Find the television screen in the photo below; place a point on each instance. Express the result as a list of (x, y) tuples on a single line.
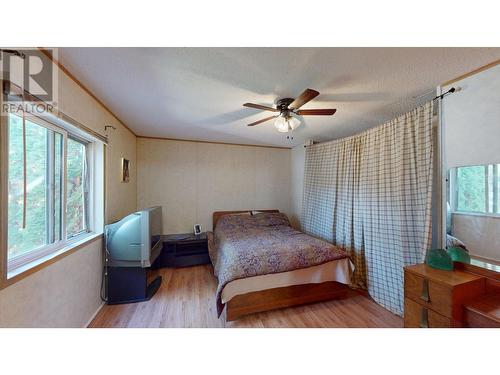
[(135, 240)]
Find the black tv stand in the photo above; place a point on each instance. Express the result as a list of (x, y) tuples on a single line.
[(183, 250), (129, 284)]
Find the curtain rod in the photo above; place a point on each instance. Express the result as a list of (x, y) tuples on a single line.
[(25, 95), (450, 91)]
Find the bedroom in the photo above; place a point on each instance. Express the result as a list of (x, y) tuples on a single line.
[(193, 176), (249, 187)]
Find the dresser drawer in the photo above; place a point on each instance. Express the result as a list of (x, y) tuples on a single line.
[(418, 316), (429, 294)]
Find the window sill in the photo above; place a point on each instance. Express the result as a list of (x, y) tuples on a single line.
[(490, 264), (477, 214), (21, 272)]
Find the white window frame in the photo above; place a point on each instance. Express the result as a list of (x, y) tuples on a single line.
[(94, 225)]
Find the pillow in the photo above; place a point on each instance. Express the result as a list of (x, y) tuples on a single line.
[(241, 219), (260, 212), (271, 219), (241, 213)]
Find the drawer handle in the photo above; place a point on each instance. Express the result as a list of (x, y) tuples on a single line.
[(425, 291), (424, 319)]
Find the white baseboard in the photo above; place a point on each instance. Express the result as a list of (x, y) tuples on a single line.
[(94, 315)]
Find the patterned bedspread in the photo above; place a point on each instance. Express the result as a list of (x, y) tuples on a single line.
[(454, 242), (251, 245)]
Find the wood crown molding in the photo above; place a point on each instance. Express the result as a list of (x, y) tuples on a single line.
[(83, 87), (471, 73), (212, 142)]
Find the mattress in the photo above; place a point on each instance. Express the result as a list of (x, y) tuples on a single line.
[(336, 270)]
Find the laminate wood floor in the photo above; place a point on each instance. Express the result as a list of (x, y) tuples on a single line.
[(186, 298)]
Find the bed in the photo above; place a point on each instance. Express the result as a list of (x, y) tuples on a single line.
[(262, 263)]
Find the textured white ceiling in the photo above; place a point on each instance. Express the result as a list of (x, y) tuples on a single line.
[(197, 93)]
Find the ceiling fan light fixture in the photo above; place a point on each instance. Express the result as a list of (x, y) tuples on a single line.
[(293, 122), (286, 123), (281, 124), (288, 109)]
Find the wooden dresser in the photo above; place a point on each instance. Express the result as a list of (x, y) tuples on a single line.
[(435, 298)]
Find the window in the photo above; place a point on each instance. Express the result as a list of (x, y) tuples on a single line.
[(476, 189), (76, 188), (49, 189), (471, 189)]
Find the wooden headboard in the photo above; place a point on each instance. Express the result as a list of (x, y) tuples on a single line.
[(218, 214)]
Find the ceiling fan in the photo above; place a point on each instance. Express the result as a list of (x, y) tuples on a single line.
[(287, 107)]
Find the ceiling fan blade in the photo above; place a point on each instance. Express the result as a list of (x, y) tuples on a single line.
[(316, 112), (303, 98), (258, 106), (261, 121)]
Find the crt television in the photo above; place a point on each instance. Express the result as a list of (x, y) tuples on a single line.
[(135, 240)]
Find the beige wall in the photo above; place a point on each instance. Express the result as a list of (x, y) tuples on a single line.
[(297, 163), (479, 233), (191, 180), (66, 293)]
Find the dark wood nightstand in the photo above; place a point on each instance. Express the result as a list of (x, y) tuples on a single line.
[(184, 250)]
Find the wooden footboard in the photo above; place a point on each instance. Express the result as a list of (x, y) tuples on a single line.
[(277, 298)]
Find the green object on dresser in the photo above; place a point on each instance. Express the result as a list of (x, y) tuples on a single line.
[(458, 254), (439, 259)]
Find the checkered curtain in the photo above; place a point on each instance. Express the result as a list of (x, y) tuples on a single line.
[(371, 194)]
